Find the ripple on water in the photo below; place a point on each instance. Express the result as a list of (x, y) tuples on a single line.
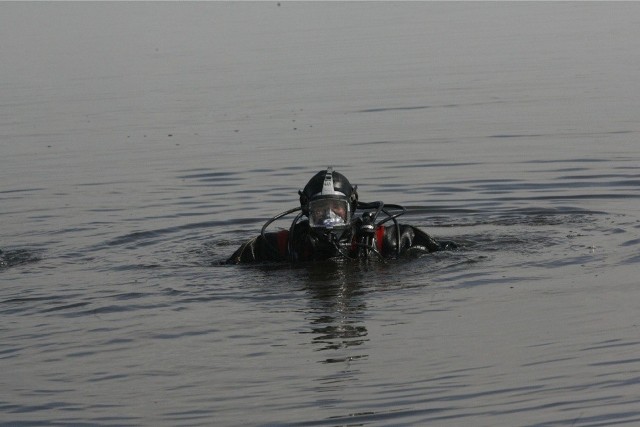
[(10, 258)]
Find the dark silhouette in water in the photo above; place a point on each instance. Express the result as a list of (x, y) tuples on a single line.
[(15, 257), (331, 229)]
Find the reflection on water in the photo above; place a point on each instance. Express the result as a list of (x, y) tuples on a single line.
[(336, 306)]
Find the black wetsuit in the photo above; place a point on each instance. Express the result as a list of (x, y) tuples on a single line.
[(306, 246)]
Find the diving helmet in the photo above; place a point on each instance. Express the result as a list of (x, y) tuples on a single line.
[(329, 200)]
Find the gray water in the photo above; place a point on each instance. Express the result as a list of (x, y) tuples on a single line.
[(140, 144)]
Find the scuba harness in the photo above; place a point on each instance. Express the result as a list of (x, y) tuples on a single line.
[(365, 231)]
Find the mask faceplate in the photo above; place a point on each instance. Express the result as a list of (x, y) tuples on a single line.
[(329, 212)]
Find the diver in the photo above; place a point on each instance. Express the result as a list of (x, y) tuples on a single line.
[(331, 228)]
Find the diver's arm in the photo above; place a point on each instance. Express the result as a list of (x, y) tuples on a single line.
[(259, 249), (245, 253), (423, 239), (411, 238)]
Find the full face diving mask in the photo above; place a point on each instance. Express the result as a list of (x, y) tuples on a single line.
[(329, 212)]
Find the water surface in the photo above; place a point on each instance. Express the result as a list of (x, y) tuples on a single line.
[(142, 143)]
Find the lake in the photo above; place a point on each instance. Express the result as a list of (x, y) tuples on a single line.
[(142, 143)]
